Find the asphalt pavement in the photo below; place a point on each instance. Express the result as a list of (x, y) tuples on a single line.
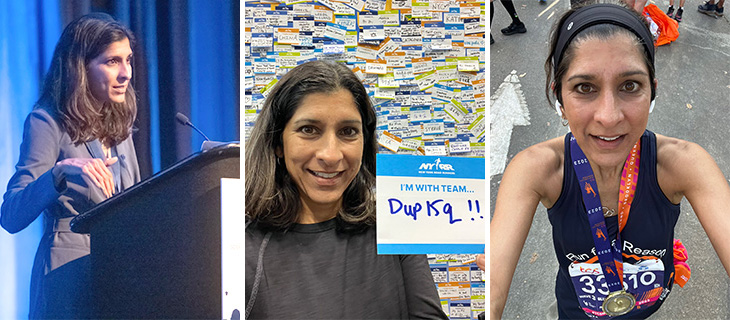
[(693, 103)]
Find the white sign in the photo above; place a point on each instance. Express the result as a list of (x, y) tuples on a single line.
[(430, 204), (232, 249)]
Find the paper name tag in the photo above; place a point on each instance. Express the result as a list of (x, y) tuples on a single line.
[(439, 5), (456, 110), (398, 122), (426, 80), (410, 144), (472, 26), (262, 40), (376, 66), (420, 98), (264, 66), (389, 17), (373, 33), (288, 59), (323, 14), (366, 52), (473, 41), (433, 127), (358, 5), (396, 59), (390, 141), (421, 65), (420, 114), (477, 127), (460, 145), (452, 17), (469, 10), (335, 31)]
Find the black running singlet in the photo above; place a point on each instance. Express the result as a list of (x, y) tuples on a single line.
[(647, 242)]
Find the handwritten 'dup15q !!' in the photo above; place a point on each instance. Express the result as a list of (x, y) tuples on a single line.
[(432, 208)]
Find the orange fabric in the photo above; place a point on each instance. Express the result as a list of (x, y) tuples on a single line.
[(683, 273), (680, 266), (668, 31)]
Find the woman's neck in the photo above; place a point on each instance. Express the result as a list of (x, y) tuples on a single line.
[(607, 173), (315, 213), (107, 153), (608, 181)]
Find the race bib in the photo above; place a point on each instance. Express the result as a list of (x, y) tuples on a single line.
[(643, 280)]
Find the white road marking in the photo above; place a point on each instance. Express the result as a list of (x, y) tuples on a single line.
[(508, 109)]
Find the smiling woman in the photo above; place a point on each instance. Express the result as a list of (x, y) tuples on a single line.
[(612, 187), (310, 209), (322, 149), (77, 151)]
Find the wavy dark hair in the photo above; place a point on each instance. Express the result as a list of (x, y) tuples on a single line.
[(600, 31), (272, 197), (66, 93)]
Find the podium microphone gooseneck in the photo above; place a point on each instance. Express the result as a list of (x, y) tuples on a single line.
[(185, 121)]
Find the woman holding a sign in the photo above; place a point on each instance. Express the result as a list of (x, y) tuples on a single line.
[(310, 208), (612, 188)]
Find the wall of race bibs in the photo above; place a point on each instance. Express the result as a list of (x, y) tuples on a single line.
[(422, 62)]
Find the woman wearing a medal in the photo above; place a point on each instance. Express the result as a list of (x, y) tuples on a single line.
[(612, 188)]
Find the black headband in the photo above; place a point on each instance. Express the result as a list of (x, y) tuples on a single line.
[(601, 14)]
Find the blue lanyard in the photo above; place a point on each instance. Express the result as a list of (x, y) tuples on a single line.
[(609, 255)]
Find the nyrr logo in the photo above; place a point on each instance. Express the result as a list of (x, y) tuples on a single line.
[(436, 165)]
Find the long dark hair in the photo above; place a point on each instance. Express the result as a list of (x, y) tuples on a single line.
[(66, 93), (272, 198)]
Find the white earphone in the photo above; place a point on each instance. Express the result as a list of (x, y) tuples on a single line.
[(651, 107)]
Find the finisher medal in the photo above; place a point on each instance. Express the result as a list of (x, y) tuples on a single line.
[(618, 303)]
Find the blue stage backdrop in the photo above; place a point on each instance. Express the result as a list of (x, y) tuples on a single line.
[(186, 60)]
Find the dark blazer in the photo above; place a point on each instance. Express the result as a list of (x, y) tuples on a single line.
[(31, 191)]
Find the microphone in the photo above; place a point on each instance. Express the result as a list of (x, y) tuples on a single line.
[(186, 122)]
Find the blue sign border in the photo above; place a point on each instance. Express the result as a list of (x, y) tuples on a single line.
[(401, 165), (430, 248)]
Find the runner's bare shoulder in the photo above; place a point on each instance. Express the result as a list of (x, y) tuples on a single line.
[(677, 161), (540, 167)]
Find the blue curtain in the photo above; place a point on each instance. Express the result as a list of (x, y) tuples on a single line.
[(186, 60), (214, 70), (28, 32)]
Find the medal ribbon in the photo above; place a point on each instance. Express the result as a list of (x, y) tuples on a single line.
[(609, 256)]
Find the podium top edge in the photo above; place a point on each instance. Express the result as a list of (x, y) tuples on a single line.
[(83, 222)]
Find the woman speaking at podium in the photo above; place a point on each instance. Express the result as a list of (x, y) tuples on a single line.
[(77, 151), (310, 209)]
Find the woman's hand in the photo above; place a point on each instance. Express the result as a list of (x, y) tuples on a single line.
[(95, 169)]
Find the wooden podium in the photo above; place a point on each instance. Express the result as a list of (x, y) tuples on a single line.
[(156, 247)]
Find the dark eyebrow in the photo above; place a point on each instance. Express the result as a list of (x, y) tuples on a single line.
[(633, 73), (622, 75), (117, 56), (352, 122), (581, 76), (306, 121), (315, 121)]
